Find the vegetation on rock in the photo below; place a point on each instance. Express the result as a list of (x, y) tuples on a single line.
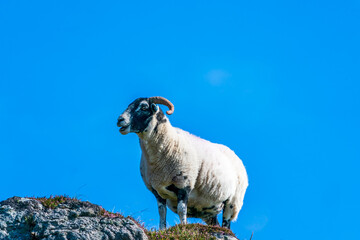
[(189, 231), (53, 201), (177, 232)]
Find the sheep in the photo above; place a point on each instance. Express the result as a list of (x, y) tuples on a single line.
[(190, 175)]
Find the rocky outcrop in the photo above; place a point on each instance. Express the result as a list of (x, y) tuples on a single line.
[(71, 219), (63, 218)]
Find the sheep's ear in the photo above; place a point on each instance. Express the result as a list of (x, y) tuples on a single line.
[(154, 107)]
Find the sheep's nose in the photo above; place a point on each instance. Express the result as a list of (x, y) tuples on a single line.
[(120, 119)]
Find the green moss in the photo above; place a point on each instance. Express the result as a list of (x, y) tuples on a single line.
[(188, 231)]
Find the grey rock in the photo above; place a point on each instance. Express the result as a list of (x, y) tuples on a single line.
[(28, 219), (223, 236)]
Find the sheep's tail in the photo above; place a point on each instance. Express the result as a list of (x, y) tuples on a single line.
[(238, 202)]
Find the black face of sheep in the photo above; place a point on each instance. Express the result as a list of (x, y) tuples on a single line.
[(137, 116)]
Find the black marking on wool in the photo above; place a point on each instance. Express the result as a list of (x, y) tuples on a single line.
[(212, 221), (179, 178), (160, 117), (160, 199), (226, 222), (208, 208), (196, 213), (173, 189), (181, 193)]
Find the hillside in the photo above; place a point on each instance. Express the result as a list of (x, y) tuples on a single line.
[(64, 218)]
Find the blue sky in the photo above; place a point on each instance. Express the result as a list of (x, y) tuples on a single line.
[(276, 81)]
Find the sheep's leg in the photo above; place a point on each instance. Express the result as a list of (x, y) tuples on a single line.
[(162, 210), (182, 200), (182, 196), (227, 212), (213, 221), (162, 213), (226, 223)]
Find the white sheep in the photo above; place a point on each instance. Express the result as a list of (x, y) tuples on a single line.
[(192, 176)]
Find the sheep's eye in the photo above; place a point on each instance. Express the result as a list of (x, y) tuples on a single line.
[(144, 107)]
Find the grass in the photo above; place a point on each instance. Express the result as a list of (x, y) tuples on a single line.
[(188, 231), (53, 201), (177, 232)]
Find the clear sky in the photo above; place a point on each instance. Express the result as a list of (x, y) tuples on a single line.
[(276, 81)]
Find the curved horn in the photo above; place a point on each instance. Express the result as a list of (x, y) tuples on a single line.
[(164, 101)]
